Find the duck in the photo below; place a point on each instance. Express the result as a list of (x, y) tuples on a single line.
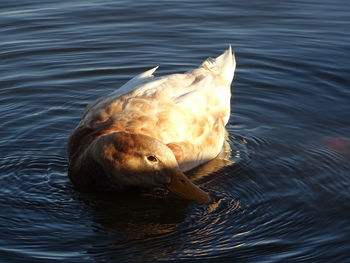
[(152, 130)]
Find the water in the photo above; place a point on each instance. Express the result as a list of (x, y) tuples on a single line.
[(283, 194)]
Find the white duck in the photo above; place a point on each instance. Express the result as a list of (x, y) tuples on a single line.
[(155, 131)]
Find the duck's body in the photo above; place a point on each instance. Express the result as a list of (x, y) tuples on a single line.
[(185, 112)]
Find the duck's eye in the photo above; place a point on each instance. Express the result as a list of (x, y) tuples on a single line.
[(152, 159)]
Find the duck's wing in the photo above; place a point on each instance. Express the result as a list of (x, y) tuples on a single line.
[(136, 82), (140, 81)]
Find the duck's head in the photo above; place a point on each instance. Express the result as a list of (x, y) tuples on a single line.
[(139, 160)]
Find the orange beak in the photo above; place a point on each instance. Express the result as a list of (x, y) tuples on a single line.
[(184, 188)]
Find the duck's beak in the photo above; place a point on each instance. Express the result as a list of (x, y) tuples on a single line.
[(183, 187)]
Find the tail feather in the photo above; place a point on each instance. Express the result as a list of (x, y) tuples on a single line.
[(224, 65)]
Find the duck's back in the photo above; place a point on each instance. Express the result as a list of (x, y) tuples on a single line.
[(188, 112)]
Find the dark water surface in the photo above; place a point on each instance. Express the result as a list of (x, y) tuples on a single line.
[(285, 197)]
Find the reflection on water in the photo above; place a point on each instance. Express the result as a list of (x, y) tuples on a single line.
[(281, 193)]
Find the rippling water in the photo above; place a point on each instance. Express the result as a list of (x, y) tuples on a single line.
[(282, 195)]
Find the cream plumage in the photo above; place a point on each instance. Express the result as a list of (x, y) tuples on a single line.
[(157, 129)]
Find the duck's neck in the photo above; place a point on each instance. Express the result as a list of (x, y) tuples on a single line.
[(87, 175)]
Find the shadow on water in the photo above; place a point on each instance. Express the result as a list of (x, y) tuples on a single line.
[(140, 215)]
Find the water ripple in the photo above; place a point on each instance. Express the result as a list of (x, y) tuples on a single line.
[(280, 190)]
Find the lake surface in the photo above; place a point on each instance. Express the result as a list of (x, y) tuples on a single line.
[(282, 195)]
